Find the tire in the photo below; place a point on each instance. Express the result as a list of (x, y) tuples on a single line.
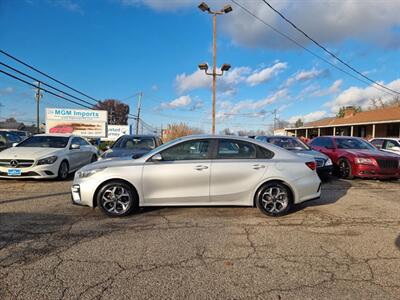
[(274, 199), (93, 159), (344, 169), (63, 170), (116, 199)]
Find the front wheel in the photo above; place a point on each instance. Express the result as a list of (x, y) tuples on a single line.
[(116, 199), (345, 170), (63, 170), (274, 199)]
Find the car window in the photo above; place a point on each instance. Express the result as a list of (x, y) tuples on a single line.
[(288, 143), (390, 144), (76, 141), (351, 143), (264, 153), (322, 142), (82, 142), (261, 138), (13, 138), (232, 149), (134, 143), (45, 141), (192, 150), (377, 143)]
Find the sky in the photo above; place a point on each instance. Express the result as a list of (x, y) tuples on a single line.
[(117, 48)]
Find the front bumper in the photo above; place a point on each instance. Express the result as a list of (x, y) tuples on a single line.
[(35, 172), (374, 172), (325, 171)]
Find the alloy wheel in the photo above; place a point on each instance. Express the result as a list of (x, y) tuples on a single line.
[(63, 171), (344, 169), (116, 200), (274, 200)]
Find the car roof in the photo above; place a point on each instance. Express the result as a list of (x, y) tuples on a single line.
[(56, 134), (386, 138), (139, 135), (278, 136)]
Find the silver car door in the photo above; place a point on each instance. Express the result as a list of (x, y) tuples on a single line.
[(182, 176), (75, 155), (235, 172)]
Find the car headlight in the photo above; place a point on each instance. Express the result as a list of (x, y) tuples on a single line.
[(328, 162), (84, 174), (364, 161), (47, 160)]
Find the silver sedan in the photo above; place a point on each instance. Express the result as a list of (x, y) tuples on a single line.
[(201, 171)]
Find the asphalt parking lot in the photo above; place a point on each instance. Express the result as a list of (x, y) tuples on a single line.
[(344, 246)]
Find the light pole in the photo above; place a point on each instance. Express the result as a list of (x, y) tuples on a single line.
[(225, 67)]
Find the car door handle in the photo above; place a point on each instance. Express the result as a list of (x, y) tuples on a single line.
[(257, 167), (200, 167)]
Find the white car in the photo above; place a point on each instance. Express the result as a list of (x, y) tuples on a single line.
[(46, 156), (387, 144), (200, 170)]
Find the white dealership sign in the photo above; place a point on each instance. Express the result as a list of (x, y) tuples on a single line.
[(83, 122), (115, 131)]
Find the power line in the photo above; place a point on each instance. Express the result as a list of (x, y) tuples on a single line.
[(48, 76), (304, 48), (48, 85), (47, 91), (327, 51)]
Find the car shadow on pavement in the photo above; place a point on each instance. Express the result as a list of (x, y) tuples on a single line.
[(397, 242), (33, 198), (332, 190)]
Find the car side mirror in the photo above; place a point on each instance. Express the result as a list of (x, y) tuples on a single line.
[(14, 144), (156, 157), (75, 147)]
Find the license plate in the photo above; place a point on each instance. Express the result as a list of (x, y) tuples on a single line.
[(14, 172)]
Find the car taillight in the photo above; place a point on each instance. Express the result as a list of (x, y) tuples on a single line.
[(312, 165)]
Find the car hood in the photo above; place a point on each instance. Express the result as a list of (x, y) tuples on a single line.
[(373, 153), (112, 162), (311, 153), (28, 152), (124, 153)]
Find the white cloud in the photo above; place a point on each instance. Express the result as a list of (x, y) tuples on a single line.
[(182, 101), (69, 5), (161, 5), (362, 96), (305, 75), (313, 116), (333, 89), (265, 74), (326, 21), (198, 79), (7, 90)]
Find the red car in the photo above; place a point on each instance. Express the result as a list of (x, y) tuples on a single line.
[(355, 157)]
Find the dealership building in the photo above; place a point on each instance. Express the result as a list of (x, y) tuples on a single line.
[(384, 122)]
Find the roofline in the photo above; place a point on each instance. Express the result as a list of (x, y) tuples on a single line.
[(342, 125)]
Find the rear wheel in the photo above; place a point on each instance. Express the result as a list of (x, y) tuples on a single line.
[(63, 170), (116, 199), (345, 170), (274, 199)]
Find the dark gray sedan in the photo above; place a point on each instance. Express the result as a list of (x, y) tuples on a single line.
[(132, 146), (324, 163), (7, 139)]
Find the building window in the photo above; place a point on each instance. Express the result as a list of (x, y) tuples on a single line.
[(393, 130)]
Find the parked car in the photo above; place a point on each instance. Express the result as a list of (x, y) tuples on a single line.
[(324, 163), (387, 144), (7, 139), (21, 133), (133, 146), (355, 157), (46, 156), (200, 170)]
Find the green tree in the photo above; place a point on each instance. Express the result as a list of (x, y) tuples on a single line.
[(342, 111)]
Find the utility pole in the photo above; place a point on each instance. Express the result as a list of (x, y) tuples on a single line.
[(38, 96), (138, 113), (225, 67), (274, 112)]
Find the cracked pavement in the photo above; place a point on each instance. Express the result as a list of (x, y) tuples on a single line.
[(344, 246)]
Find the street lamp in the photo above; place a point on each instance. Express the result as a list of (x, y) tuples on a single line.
[(225, 67)]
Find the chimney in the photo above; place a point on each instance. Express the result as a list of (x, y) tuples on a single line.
[(349, 111)]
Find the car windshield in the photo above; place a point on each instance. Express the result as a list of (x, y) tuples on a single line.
[(44, 141), (344, 143), (134, 143), (20, 133), (288, 143)]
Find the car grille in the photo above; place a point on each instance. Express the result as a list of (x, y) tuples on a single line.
[(16, 163), (388, 164), (320, 162)]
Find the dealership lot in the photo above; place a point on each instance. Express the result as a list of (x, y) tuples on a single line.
[(345, 245)]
